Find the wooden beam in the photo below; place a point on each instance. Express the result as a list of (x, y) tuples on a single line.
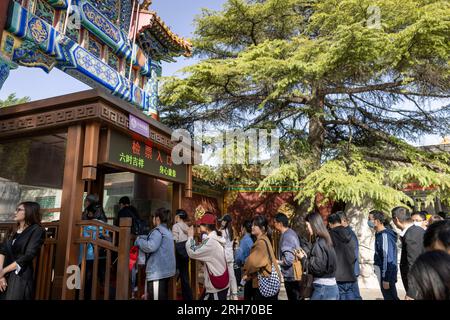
[(91, 140), (71, 208)]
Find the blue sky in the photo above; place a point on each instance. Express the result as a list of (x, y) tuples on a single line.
[(36, 84), (178, 14)]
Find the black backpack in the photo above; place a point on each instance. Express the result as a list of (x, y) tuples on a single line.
[(139, 226)]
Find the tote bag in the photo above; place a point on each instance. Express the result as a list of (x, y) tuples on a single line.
[(269, 286)]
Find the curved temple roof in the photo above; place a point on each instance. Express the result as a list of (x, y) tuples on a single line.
[(152, 26)]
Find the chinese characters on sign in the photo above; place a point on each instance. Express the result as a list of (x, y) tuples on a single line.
[(125, 151), (167, 171), (131, 160)]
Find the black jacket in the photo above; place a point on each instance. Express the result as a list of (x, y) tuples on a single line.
[(138, 225), (26, 247), (345, 246), (322, 260), (412, 248)]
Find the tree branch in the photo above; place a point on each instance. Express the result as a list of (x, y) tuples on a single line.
[(374, 87)]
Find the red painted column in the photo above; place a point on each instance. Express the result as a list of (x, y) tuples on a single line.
[(4, 4)]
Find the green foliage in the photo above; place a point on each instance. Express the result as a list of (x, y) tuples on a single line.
[(343, 89), (12, 100), (352, 184)]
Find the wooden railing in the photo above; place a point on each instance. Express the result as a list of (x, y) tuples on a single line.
[(115, 244), (5, 230), (44, 263), (116, 272), (175, 290)]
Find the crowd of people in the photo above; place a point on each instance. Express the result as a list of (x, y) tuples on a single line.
[(328, 256), (321, 265)]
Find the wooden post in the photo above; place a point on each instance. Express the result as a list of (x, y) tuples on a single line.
[(71, 209), (176, 204), (188, 189), (194, 279), (98, 186), (123, 277), (91, 139)]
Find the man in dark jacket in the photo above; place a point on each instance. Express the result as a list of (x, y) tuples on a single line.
[(344, 245), (345, 223), (385, 259), (412, 243), (288, 244), (128, 211)]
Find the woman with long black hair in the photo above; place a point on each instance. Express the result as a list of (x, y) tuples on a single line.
[(430, 276), (322, 260), (18, 252), (261, 267), (226, 227)]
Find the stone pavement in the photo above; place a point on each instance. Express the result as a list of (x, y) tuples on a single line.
[(366, 294)]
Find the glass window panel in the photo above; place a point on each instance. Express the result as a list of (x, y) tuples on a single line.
[(32, 170)]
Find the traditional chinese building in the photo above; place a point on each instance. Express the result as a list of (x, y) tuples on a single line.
[(94, 44), (104, 141)]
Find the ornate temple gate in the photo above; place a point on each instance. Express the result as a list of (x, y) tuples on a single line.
[(88, 120)]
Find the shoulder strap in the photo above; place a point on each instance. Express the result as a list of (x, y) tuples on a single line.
[(147, 256), (162, 234), (224, 258), (268, 250)]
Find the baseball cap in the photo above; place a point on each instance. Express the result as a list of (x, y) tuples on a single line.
[(207, 218)]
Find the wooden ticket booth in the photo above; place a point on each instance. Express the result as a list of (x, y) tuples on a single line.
[(60, 149)]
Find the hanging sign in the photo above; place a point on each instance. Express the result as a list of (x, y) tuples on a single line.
[(125, 152)]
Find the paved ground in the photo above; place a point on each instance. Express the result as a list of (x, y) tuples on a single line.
[(375, 294), (367, 294)]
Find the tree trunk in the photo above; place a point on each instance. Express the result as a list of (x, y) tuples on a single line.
[(316, 135), (316, 140)]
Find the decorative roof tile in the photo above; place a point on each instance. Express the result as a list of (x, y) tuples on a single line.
[(151, 23)]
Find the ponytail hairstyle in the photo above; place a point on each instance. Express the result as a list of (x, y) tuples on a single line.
[(163, 214), (229, 228), (318, 227)]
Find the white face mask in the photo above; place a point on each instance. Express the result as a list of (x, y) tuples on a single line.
[(419, 224)]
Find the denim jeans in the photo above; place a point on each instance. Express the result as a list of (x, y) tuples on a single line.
[(347, 291), (356, 291), (322, 292)]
